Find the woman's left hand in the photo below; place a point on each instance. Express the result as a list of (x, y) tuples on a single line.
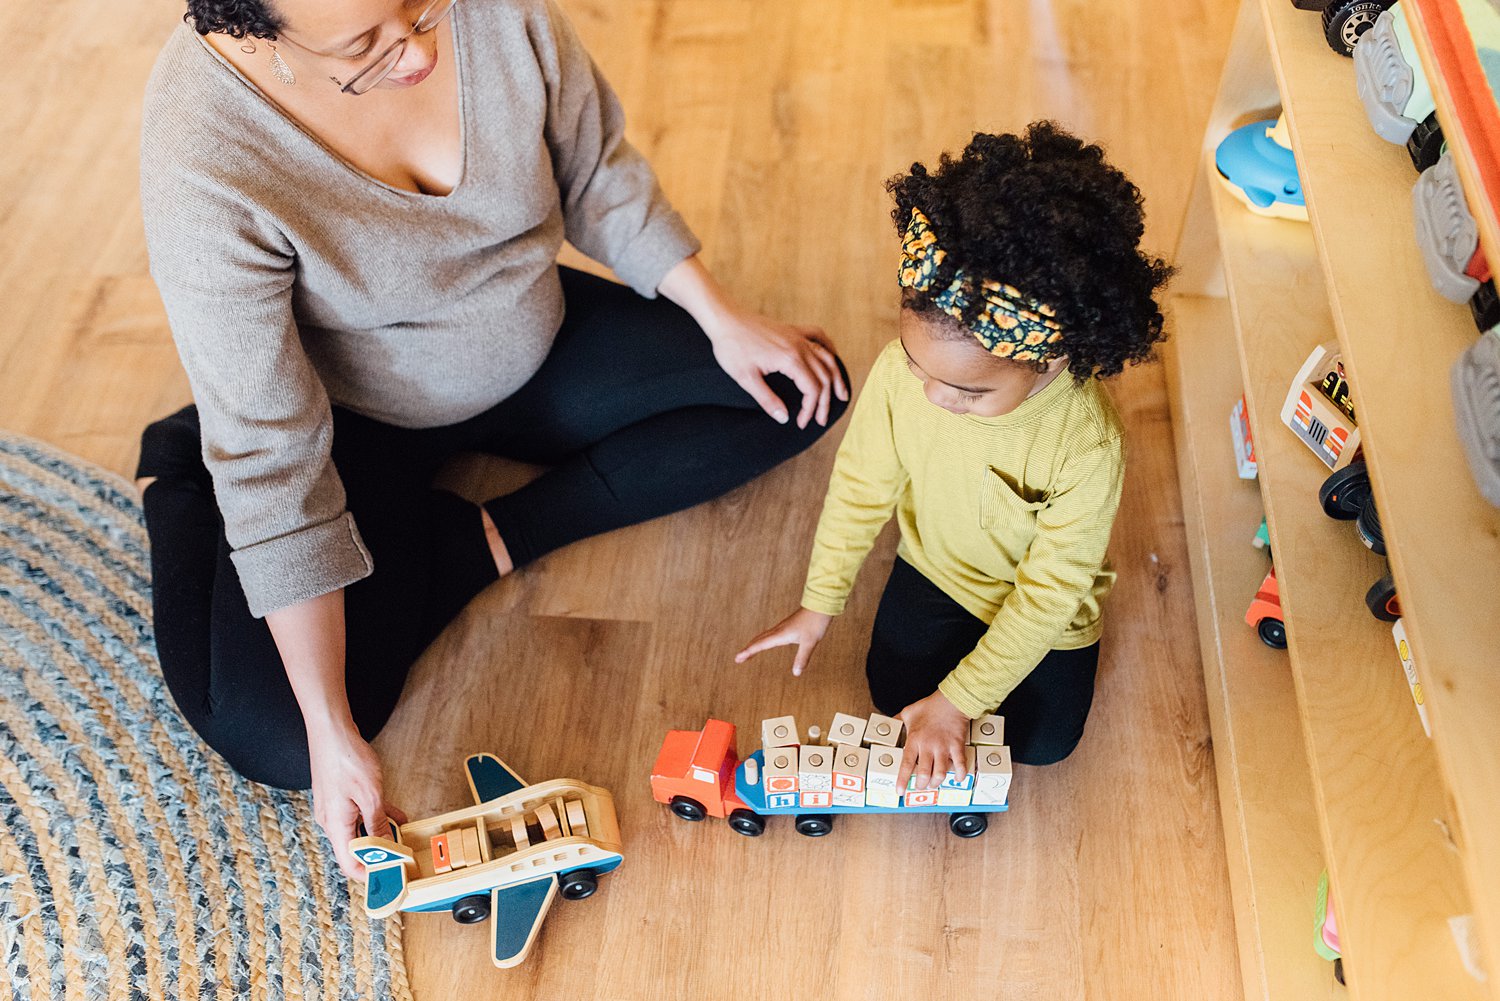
[(936, 733), (749, 347)]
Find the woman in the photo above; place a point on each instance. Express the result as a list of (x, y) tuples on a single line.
[(353, 210)]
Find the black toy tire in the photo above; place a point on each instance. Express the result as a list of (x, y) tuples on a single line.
[(1338, 970), (1345, 20), (1272, 633), (472, 910), (1425, 144), (748, 823), (1382, 601), (814, 825), (1484, 306), (968, 825), (1367, 527), (688, 808), (579, 884), (1346, 492)]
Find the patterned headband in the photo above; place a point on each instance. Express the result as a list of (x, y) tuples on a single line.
[(1011, 325)]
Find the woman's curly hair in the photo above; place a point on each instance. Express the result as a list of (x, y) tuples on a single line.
[(235, 18), (1046, 213)]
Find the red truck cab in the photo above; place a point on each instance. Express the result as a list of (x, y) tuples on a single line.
[(694, 775)]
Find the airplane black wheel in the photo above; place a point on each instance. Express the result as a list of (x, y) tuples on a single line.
[(814, 825), (579, 884), (1272, 633), (751, 825), (1382, 601), (472, 910), (1346, 492), (688, 808), (968, 825)]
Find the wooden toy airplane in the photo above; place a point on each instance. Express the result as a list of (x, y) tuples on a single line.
[(504, 858)]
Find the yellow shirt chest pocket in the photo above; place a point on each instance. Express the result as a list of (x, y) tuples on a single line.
[(1006, 516)]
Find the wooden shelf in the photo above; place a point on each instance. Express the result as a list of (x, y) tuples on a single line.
[(1387, 828), (1400, 340), (1271, 827)]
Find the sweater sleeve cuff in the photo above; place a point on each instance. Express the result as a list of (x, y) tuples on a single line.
[(815, 602), (965, 701), (302, 565), (665, 243)]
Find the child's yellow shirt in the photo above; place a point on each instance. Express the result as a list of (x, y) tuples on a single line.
[(1010, 516)]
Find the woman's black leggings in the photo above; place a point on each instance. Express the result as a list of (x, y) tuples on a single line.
[(921, 633), (630, 411)]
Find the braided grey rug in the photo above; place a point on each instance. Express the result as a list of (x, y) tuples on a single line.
[(133, 863)]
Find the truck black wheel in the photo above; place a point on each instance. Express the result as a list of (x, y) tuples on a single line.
[(472, 910), (1345, 20), (578, 884), (748, 823), (1346, 491), (814, 825), (688, 808), (1381, 600), (1425, 144), (1367, 527), (1272, 633), (968, 825)]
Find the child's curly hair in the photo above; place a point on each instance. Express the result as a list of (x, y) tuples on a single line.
[(235, 18), (1046, 213)]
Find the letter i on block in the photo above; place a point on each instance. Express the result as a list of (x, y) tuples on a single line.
[(850, 762), (779, 731), (815, 775), (987, 730), (880, 779), (992, 776), (953, 791)]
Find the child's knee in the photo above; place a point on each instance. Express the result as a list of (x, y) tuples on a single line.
[(1045, 749)]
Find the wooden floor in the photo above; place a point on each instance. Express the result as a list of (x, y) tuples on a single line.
[(772, 124)]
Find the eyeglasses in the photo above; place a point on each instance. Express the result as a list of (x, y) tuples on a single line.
[(366, 79)]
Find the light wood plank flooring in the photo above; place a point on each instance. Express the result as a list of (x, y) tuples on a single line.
[(772, 124)]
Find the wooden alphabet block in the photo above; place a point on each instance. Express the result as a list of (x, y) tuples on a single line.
[(846, 729), (888, 799), (850, 762), (812, 798), (880, 777), (987, 730), (781, 800), (780, 771), (779, 731), (442, 858), (953, 791), (815, 768), (992, 776), (921, 797), (882, 730), (471, 846)]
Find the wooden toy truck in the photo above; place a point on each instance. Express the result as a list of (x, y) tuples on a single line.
[(505, 858), (699, 773)]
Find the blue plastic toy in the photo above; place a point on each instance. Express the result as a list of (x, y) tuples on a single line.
[(1256, 165)]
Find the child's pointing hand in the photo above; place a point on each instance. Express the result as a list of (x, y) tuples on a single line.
[(803, 627), (936, 733)]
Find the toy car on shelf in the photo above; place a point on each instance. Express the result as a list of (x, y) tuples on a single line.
[(504, 859), (1476, 405), (1320, 410), (1264, 615), (699, 774), (1256, 165), (1394, 90), (1448, 236)]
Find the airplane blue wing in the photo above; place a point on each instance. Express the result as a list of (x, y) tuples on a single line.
[(490, 778), (385, 873), (516, 915)]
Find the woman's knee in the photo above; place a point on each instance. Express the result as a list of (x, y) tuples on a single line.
[(262, 746), (172, 447)]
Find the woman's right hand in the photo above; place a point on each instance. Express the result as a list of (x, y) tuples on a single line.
[(348, 789), (803, 627)]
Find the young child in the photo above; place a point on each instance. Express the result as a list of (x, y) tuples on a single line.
[(985, 430)]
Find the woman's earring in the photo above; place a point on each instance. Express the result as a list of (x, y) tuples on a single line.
[(280, 70), (248, 46)]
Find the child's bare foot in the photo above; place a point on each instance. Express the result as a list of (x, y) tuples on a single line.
[(497, 545)]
